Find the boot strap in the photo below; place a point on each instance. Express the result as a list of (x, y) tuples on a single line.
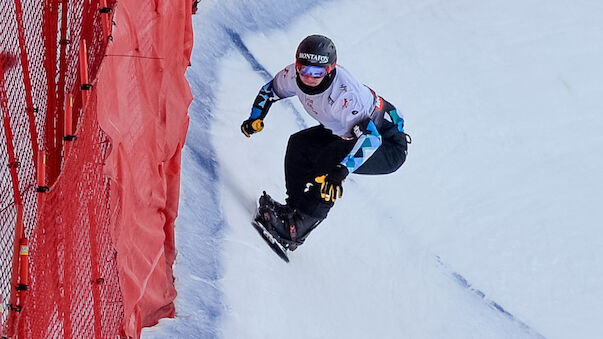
[(292, 228)]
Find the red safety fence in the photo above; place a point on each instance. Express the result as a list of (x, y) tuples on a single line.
[(144, 110), (94, 104)]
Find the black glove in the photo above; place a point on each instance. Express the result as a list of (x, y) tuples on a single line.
[(331, 183), (250, 126)]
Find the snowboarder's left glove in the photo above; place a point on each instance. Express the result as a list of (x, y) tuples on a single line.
[(331, 183), (250, 126)]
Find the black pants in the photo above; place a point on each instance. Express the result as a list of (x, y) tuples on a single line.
[(314, 151)]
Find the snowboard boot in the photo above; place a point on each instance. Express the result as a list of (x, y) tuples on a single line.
[(268, 216), (299, 226), (290, 227)]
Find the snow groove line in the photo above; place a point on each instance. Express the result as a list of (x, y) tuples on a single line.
[(461, 281), (255, 64), (259, 68)]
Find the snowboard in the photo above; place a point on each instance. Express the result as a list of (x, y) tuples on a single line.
[(270, 239)]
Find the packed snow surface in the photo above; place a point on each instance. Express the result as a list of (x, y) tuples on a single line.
[(492, 228)]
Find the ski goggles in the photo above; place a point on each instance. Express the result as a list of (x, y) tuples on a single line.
[(314, 71)]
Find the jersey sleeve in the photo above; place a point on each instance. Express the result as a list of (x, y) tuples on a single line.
[(284, 82), (278, 88), (369, 140), (263, 101)]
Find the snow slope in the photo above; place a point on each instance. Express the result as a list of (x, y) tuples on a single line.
[(492, 229)]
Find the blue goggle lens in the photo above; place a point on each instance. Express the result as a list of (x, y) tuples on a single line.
[(314, 71)]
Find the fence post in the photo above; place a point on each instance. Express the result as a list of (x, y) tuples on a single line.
[(41, 172), (31, 109), (21, 256), (19, 280), (68, 127), (68, 135), (13, 165), (106, 19), (85, 85)]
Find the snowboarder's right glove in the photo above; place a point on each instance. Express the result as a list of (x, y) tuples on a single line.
[(250, 126), (331, 183)]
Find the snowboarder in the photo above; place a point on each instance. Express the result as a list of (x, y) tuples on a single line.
[(359, 132)]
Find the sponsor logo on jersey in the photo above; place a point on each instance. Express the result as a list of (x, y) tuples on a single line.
[(331, 101), (321, 59), (346, 102), (343, 88), (310, 104), (379, 104)]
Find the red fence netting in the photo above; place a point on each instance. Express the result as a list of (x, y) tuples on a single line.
[(70, 218), (65, 282), (144, 110)]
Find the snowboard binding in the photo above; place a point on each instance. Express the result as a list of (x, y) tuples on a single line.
[(288, 226), (276, 217)]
